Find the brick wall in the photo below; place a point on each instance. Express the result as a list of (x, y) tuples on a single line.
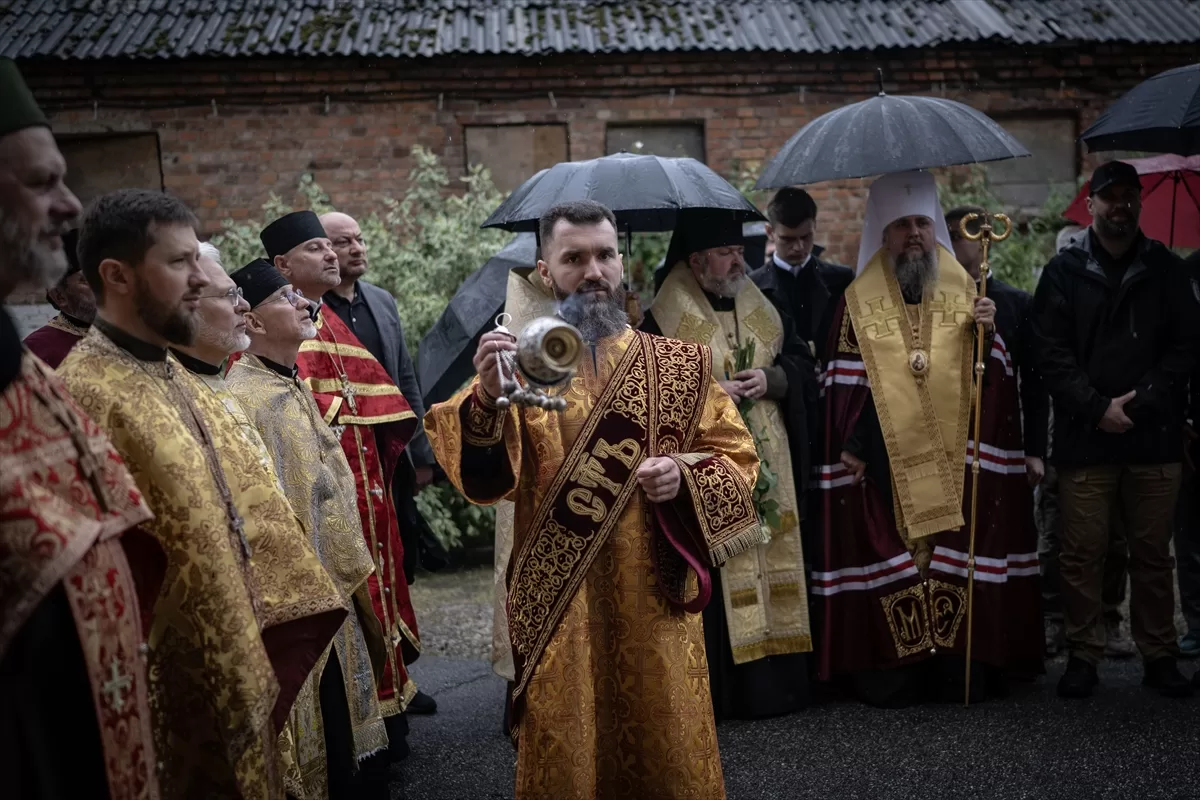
[(352, 122)]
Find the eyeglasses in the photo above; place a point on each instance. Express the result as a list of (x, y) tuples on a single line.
[(293, 296), (234, 296)]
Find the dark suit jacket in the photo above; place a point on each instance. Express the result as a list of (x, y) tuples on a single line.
[(399, 365), (809, 299)]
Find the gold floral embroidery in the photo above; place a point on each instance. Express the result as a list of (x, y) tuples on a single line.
[(484, 423), (694, 329), (761, 325)]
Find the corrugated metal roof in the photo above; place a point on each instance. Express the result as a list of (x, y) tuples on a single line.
[(168, 29)]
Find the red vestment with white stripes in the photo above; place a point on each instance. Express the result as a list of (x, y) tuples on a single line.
[(873, 607)]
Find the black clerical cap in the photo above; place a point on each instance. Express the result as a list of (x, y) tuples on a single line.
[(258, 280), (18, 109), (700, 229), (290, 231)]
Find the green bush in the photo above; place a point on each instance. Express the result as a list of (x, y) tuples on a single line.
[(1017, 259), (421, 248)]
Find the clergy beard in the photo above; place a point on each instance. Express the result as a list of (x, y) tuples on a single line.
[(596, 317), (227, 342), (727, 286), (28, 259), (914, 273), (308, 332), (177, 325)]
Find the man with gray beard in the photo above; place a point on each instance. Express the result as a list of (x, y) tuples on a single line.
[(891, 562), (756, 629), (622, 503)]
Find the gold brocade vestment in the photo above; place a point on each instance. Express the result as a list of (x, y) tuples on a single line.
[(618, 704), (212, 687), (319, 484), (763, 589)]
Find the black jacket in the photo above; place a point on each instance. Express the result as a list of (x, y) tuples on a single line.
[(1015, 326), (1097, 341), (808, 299)]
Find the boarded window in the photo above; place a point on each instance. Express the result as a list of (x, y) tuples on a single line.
[(514, 153), (1025, 183), (102, 163), (670, 141)]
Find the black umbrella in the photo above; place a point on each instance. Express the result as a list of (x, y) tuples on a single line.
[(444, 357), (644, 192), (1159, 115), (887, 134)]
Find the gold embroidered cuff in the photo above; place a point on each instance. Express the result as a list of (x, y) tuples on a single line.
[(483, 422)]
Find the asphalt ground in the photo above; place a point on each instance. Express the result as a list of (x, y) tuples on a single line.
[(1126, 742)]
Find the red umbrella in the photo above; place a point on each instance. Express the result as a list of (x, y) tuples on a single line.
[(1170, 199)]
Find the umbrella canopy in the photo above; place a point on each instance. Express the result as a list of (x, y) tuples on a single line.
[(1159, 115), (887, 134), (1170, 199), (444, 356), (645, 192)]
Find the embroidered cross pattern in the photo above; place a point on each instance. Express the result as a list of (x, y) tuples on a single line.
[(880, 315), (115, 687), (952, 310)]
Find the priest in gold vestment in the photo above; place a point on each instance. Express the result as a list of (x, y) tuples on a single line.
[(623, 503), (757, 628), (212, 683), (336, 727)]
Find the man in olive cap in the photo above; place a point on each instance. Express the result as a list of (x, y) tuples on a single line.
[(74, 711)]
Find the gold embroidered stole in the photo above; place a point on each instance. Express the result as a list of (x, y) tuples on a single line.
[(592, 487), (764, 588), (921, 386)]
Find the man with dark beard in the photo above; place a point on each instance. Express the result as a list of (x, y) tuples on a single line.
[(72, 298), (757, 627), (1115, 314), (611, 683), (138, 250), (892, 559), (77, 574)]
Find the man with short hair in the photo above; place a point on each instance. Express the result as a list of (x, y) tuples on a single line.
[(1114, 316), (374, 423), (893, 557), (611, 697), (301, 609), (139, 252), (757, 628), (336, 720), (78, 574), (72, 298), (796, 280)]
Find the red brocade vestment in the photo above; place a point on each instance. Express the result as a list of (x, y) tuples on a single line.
[(374, 423)]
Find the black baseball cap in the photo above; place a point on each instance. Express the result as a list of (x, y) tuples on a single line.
[(1114, 173)]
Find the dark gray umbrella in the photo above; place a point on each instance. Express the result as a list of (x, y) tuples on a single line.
[(644, 192), (887, 134), (1159, 115), (444, 356)]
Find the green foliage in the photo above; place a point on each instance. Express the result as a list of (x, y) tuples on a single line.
[(455, 521), (421, 248), (1017, 259)]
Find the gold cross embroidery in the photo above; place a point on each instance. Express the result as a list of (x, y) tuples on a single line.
[(880, 315), (951, 308), (117, 685)]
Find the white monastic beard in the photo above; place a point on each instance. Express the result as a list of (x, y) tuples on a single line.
[(29, 260), (233, 341), (914, 273), (241, 342), (728, 286), (308, 332)]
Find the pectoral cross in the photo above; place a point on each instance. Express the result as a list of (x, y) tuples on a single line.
[(348, 391), (117, 685)]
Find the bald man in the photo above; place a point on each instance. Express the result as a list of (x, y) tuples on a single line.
[(370, 312)]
